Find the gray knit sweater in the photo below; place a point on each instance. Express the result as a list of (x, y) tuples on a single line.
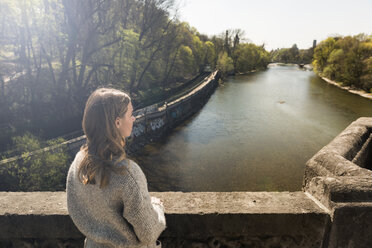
[(121, 214)]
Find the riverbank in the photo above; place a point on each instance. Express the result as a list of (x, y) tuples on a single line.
[(252, 71), (361, 93), (309, 67), (306, 67), (245, 73)]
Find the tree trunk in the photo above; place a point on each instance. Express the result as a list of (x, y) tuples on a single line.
[(148, 65), (50, 66), (169, 72), (2, 87)]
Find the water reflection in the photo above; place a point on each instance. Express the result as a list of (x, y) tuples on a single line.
[(255, 134)]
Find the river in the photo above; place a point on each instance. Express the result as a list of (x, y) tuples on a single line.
[(255, 133)]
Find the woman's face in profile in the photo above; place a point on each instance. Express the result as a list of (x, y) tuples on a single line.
[(125, 124)]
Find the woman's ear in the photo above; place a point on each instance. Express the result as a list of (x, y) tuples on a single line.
[(117, 122)]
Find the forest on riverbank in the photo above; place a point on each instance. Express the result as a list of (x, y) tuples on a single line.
[(347, 60), (292, 55), (53, 54)]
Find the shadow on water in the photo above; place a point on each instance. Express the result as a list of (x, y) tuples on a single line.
[(255, 134)]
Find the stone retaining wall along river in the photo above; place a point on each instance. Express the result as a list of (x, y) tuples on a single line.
[(153, 121)]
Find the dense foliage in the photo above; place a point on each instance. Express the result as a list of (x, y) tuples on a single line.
[(347, 60), (54, 53), (42, 171), (292, 55), (239, 57)]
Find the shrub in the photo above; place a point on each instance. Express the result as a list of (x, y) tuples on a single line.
[(40, 171), (225, 64)]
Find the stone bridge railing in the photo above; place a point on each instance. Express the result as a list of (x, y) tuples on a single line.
[(339, 176), (333, 210), (197, 219)]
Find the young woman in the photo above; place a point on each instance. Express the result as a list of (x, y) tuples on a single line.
[(107, 194)]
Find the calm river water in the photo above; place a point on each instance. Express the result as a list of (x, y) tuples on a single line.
[(255, 133)]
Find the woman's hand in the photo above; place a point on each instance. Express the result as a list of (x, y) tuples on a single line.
[(155, 200)]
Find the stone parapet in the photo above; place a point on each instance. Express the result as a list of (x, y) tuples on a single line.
[(339, 176), (197, 219), (341, 171), (349, 154)]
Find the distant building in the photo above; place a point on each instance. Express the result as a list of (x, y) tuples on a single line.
[(314, 43)]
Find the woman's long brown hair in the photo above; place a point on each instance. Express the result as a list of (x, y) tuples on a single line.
[(104, 143)]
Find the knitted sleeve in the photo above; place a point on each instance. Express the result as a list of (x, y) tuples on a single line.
[(146, 218)]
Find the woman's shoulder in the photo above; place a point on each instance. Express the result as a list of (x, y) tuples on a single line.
[(130, 168), (77, 160), (80, 155)]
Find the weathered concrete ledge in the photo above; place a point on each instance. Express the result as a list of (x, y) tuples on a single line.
[(339, 176), (261, 218), (348, 155)]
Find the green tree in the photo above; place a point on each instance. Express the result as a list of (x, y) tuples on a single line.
[(294, 53), (41, 171), (251, 57), (225, 64), (321, 53), (346, 60), (335, 63), (210, 54)]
